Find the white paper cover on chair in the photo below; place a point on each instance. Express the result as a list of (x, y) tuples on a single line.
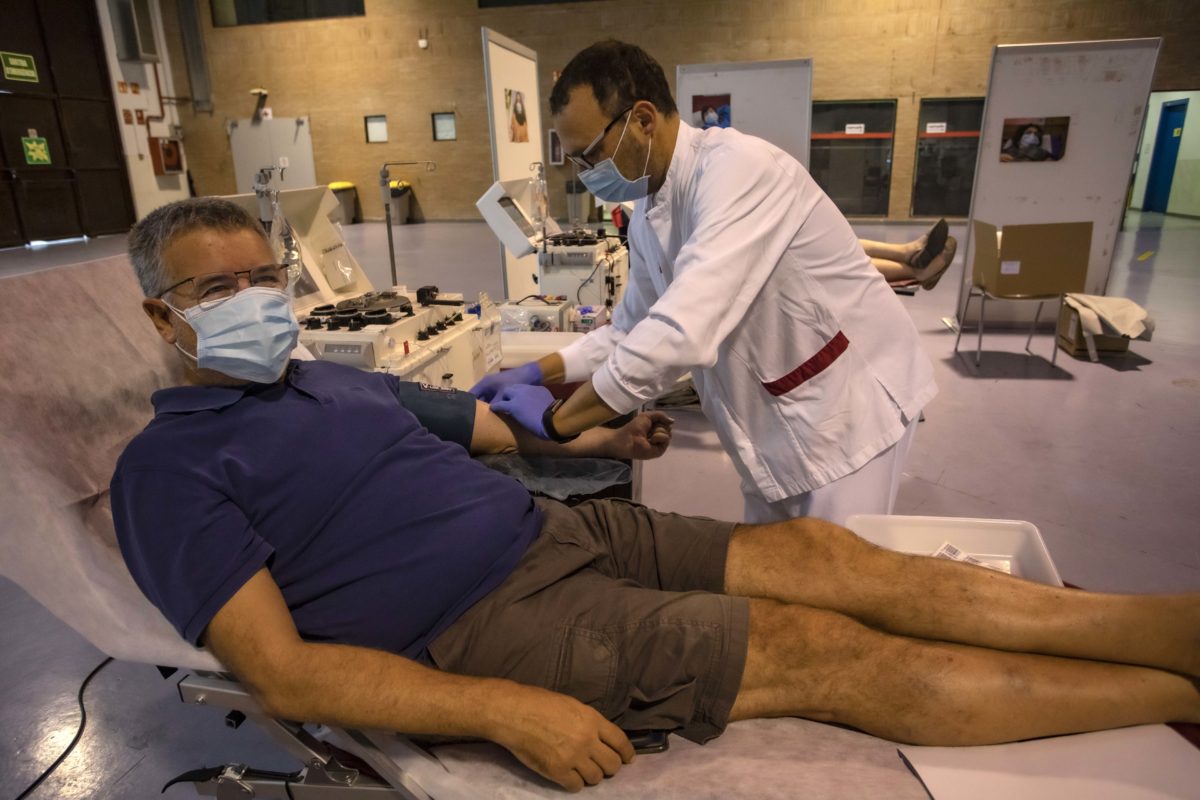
[(80, 361)]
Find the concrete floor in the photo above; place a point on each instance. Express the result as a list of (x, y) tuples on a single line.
[(1103, 458)]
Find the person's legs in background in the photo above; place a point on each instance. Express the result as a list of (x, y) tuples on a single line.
[(923, 260)]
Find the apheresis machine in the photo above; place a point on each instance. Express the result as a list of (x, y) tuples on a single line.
[(581, 274)]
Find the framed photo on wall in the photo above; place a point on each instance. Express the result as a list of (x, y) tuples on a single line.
[(556, 148)]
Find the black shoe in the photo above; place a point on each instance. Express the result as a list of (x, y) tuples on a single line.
[(934, 274), (935, 241)]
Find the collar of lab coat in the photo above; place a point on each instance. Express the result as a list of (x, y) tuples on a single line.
[(659, 204)]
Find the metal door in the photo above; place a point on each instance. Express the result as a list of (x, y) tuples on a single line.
[(62, 171), (1166, 151)]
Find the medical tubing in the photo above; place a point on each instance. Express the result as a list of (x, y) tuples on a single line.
[(588, 279), (78, 734)]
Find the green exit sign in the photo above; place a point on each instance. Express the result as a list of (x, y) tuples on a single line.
[(19, 67)]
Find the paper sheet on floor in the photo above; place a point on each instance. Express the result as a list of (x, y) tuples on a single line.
[(1149, 762)]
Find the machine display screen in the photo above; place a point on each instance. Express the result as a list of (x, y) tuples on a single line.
[(514, 211)]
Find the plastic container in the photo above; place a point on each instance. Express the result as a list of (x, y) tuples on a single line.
[(401, 200), (347, 197), (1018, 541)]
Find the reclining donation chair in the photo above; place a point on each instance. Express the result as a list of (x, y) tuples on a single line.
[(80, 361)]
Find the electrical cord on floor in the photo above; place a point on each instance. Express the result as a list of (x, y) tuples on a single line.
[(78, 734)]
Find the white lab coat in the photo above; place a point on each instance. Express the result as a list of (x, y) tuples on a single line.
[(743, 271)]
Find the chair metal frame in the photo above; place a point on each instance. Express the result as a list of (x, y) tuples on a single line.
[(325, 774), (984, 295)]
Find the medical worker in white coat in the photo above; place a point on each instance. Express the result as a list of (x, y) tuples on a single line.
[(744, 273)]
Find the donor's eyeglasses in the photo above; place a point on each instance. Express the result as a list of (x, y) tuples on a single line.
[(216, 286)]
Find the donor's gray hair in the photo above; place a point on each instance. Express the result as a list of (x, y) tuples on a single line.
[(153, 234)]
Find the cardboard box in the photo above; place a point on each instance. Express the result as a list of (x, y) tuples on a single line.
[(1071, 339), (1041, 260)]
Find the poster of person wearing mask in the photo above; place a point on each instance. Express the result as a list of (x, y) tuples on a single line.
[(518, 124), (1034, 139), (711, 111)]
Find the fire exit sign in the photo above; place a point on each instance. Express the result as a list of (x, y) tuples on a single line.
[(37, 151), (19, 67)]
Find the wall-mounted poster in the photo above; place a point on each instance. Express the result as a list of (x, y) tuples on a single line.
[(711, 111), (1034, 138), (518, 123)]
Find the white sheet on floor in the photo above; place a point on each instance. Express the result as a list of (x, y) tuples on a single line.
[(1149, 762)]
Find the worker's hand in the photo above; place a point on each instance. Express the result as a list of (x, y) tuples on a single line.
[(646, 436), (562, 739), (525, 404), (491, 385)]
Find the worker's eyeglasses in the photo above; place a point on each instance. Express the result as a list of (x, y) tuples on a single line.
[(582, 160), (217, 286)]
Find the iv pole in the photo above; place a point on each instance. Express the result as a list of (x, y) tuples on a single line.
[(386, 190)]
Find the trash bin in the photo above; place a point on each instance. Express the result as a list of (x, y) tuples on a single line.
[(401, 198), (347, 197), (579, 202)]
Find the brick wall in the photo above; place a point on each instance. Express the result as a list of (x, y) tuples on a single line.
[(338, 71)]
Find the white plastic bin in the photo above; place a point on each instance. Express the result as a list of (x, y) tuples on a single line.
[(1018, 541)]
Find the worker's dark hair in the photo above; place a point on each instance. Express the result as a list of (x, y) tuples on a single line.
[(620, 74)]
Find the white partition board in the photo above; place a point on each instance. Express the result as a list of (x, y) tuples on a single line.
[(510, 68), (263, 144), (1103, 86), (768, 99)]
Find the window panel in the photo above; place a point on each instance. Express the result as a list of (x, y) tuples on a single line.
[(851, 154), (947, 146)]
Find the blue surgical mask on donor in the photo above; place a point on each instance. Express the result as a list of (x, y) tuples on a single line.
[(606, 181), (249, 336)]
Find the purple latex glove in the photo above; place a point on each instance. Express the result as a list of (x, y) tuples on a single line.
[(491, 385), (526, 404)]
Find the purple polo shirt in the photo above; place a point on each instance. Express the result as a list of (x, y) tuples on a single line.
[(378, 532)]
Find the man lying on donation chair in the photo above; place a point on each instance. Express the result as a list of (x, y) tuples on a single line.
[(327, 535)]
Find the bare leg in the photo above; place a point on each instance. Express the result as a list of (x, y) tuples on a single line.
[(888, 251), (824, 666), (894, 271), (818, 564)]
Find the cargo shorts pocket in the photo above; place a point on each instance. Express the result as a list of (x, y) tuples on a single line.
[(586, 668)]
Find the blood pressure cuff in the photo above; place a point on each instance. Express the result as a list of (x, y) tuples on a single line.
[(446, 413)]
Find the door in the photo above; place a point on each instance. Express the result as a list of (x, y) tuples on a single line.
[(62, 171), (1166, 151)]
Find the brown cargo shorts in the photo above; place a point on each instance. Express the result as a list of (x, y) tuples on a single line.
[(618, 606)]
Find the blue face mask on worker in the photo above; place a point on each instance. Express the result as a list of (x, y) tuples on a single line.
[(1030, 139), (606, 181), (249, 336)]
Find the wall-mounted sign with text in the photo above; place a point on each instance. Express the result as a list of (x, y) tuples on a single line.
[(18, 67)]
